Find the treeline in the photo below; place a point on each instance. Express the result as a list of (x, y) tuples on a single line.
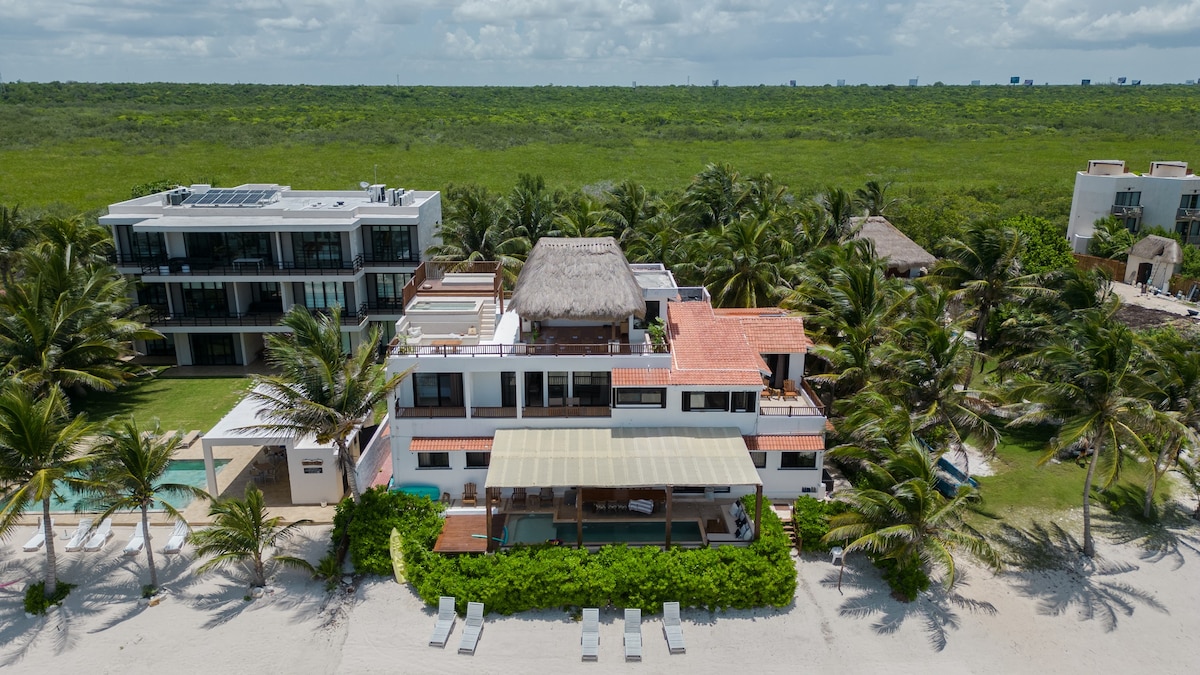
[(489, 117)]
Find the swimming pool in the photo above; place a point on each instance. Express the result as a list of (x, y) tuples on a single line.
[(539, 528), (444, 306), (185, 471)]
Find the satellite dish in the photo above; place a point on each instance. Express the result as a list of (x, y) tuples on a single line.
[(364, 184)]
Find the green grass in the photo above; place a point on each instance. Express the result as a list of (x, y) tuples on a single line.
[(178, 403)]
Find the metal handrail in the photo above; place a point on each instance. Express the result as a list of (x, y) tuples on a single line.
[(206, 267), (522, 349)]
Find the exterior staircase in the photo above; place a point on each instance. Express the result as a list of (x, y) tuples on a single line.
[(487, 323)]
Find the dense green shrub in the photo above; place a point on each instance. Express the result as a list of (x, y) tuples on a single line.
[(546, 576), (906, 581), (369, 526), (811, 519), (36, 601)]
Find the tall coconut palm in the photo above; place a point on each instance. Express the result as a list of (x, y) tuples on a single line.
[(1172, 372), (840, 206), (744, 265), (15, 233), (984, 270), (1088, 383), (899, 516), (581, 216), (130, 462), (42, 448), (243, 532), (471, 230), (626, 207), (318, 390), (531, 211), (873, 200), (716, 197)]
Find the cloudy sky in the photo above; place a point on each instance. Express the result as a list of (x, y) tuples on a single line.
[(582, 42)]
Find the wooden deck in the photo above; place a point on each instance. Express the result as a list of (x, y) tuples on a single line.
[(457, 531)]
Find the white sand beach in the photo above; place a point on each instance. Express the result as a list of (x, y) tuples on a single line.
[(1133, 608)]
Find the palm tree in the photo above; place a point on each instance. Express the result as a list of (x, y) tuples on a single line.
[(531, 211), (1088, 383), (716, 197), (872, 198), (744, 265), (1112, 239), (242, 532), (900, 517), (1173, 373), (580, 216), (15, 233), (130, 461), (318, 390), (840, 207), (626, 207), (471, 231), (41, 449), (984, 269)]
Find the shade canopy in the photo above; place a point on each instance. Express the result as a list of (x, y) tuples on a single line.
[(621, 457), (891, 243), (579, 279)]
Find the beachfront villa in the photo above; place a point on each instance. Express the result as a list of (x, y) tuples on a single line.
[(571, 413), (1168, 196), (219, 267)]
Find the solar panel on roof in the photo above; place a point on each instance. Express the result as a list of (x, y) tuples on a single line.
[(230, 197), (193, 198), (208, 198)]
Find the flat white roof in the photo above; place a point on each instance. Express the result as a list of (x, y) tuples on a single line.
[(231, 430)]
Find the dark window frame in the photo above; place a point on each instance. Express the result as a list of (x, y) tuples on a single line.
[(473, 460), (744, 401), (642, 394), (714, 401), (798, 461), (433, 460)]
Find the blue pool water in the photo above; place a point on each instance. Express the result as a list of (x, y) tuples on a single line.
[(540, 527), (185, 471)]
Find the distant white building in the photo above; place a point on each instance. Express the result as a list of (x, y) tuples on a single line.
[(1168, 196), (218, 267)]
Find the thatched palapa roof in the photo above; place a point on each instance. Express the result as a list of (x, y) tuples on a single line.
[(890, 243), (581, 279), (1154, 246)]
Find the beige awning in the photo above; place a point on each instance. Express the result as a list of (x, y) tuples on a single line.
[(622, 457)]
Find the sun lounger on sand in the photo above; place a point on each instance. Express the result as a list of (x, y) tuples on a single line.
[(673, 628), (100, 537), (591, 634), (633, 635), (474, 626), (137, 541), (445, 622), (178, 537), (81, 534), (39, 538)]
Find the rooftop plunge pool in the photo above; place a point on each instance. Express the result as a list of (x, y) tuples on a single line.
[(444, 306)]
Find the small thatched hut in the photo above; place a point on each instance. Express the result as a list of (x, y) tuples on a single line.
[(577, 279), (1153, 260), (905, 257)]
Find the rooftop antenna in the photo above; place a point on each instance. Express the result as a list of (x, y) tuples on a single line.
[(377, 174)]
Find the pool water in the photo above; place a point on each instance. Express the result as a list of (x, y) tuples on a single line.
[(185, 471), (540, 528), (443, 306)]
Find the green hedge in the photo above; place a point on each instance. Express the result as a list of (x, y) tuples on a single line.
[(546, 576), (811, 519), (370, 522)]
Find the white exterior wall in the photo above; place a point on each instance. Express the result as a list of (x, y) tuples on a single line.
[(1095, 195), (314, 488)]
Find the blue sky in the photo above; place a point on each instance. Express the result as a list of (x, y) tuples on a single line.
[(604, 42)]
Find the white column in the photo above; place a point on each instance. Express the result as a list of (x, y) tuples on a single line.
[(468, 382), (210, 471), (520, 394)]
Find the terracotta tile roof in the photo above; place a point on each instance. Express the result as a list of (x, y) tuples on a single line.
[(640, 377), (796, 443), (451, 444), (749, 311), (708, 351), (775, 334)]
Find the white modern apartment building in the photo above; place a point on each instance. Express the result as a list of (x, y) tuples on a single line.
[(564, 391), (1168, 196), (218, 267)]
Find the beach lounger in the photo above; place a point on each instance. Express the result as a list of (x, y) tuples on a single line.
[(633, 635), (472, 629), (177, 539), (445, 622), (80, 536), (137, 541), (39, 538), (100, 536), (673, 628), (591, 634)]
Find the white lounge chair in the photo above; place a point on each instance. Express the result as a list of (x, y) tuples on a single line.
[(137, 541), (633, 635), (39, 538), (591, 634), (100, 537), (474, 626), (81, 534), (178, 537), (673, 628), (445, 622)]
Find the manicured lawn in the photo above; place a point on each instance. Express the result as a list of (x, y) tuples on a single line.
[(178, 403)]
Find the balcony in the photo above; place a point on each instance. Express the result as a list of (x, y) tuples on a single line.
[(159, 318), (568, 411), (805, 404), (378, 260), (1187, 214), (522, 349), (1122, 211), (386, 306), (249, 266), (431, 413)]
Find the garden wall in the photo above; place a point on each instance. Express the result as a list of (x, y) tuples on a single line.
[(1115, 268)]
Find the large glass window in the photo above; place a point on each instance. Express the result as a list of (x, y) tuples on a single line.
[(638, 397), (759, 459), (1189, 201), (592, 388), (705, 400), (147, 246), (322, 250), (388, 289), (478, 460), (508, 389), (153, 296), (433, 460), (204, 298), (556, 386), (743, 401), (323, 294), (393, 243), (533, 390), (438, 390), (797, 460), (1128, 198)]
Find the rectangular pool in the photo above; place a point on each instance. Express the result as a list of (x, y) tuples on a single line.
[(185, 471), (444, 306), (539, 528)]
